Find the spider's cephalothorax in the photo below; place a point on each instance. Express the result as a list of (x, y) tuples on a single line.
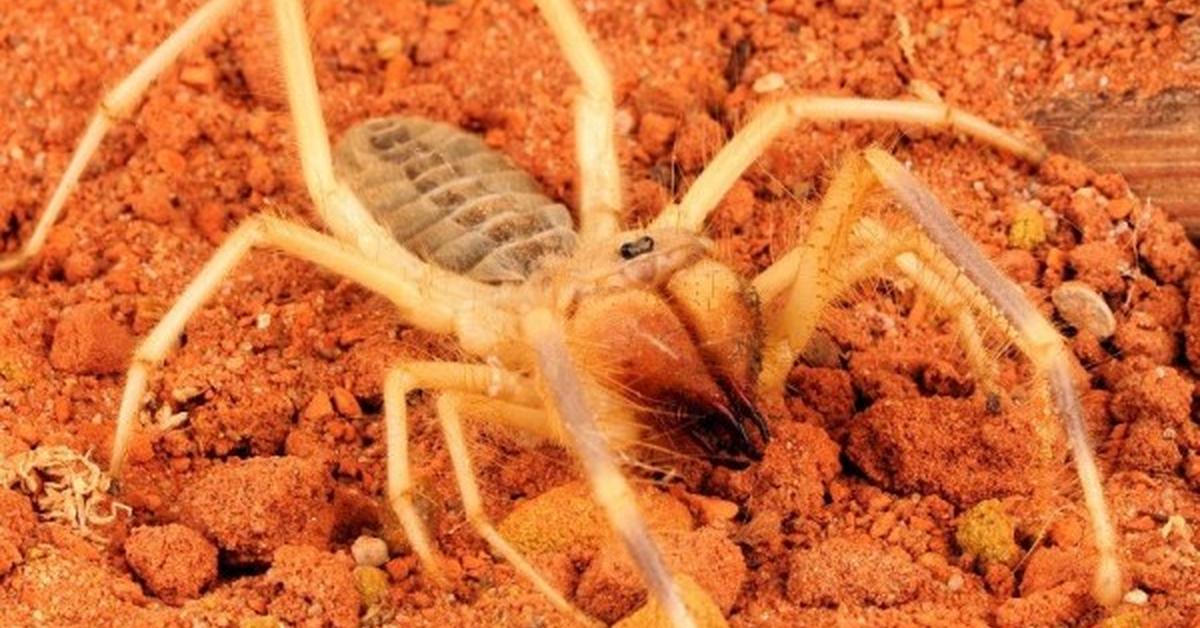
[(665, 332)]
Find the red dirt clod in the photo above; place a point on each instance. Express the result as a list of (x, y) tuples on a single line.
[(697, 140), (1165, 247), (153, 202), (309, 587), (939, 445), (1098, 264), (87, 341), (250, 508), (17, 522), (1158, 394), (174, 561), (793, 474), (856, 571), (611, 589)]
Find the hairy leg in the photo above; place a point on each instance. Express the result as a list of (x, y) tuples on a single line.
[(445, 376), (609, 487), (1035, 336), (805, 273), (117, 104), (777, 117), (595, 112), (944, 262), (420, 305), (935, 276), (819, 271), (456, 444)]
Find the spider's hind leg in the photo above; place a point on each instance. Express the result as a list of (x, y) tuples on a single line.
[(422, 306)]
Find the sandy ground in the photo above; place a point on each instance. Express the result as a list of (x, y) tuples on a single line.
[(246, 512)]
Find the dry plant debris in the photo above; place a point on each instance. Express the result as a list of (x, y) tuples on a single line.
[(65, 486)]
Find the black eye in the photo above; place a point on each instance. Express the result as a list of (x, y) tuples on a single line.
[(630, 250)]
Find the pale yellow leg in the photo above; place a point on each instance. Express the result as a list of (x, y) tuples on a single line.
[(950, 267), (460, 457), (442, 376), (777, 117), (595, 131), (919, 260), (1033, 334), (568, 401), (340, 210), (117, 104), (420, 305), (805, 272)]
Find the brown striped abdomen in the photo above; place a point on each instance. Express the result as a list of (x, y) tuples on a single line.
[(451, 200)]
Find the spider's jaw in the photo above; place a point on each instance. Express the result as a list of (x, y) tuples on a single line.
[(684, 356)]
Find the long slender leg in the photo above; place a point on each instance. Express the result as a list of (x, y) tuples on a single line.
[(595, 113), (910, 255), (750, 142), (807, 271), (445, 376), (117, 104), (339, 209), (1040, 342), (420, 305), (951, 267), (610, 489), (456, 444)]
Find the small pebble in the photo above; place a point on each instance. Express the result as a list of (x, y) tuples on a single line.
[(369, 551), (389, 47), (1083, 308), (346, 404), (1137, 597), (955, 582), (768, 83)]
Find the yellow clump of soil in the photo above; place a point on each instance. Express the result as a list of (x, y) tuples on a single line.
[(567, 517), (704, 610), (987, 532)]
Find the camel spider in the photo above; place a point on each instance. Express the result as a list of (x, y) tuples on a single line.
[(539, 305)]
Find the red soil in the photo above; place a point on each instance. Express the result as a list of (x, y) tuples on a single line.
[(287, 360)]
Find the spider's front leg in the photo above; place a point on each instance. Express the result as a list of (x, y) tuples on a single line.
[(1030, 331), (116, 105), (946, 264)]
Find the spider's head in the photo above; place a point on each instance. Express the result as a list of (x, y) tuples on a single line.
[(640, 258), (676, 333)]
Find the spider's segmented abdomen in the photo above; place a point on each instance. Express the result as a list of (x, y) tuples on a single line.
[(450, 199)]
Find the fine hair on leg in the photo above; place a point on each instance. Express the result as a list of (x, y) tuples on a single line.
[(421, 306), (445, 376), (609, 487), (1040, 342)]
